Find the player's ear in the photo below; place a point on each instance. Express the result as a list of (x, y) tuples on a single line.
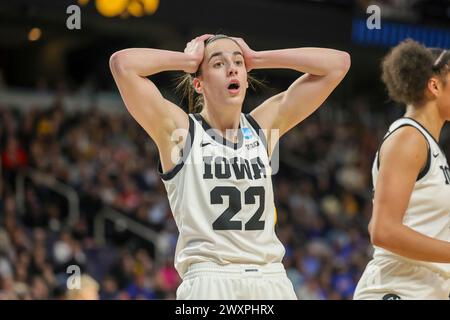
[(198, 85)]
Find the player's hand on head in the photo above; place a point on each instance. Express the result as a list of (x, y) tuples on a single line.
[(248, 53), (196, 48)]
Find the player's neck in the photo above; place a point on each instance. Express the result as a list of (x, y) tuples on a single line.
[(225, 122), (428, 116)]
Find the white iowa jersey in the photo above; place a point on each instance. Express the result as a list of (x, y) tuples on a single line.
[(428, 210), (221, 196)]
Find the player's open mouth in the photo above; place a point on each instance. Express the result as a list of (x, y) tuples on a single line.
[(234, 86)]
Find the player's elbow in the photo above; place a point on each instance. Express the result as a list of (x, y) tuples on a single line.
[(343, 63), (118, 62), (377, 237), (339, 66), (346, 61), (381, 234)]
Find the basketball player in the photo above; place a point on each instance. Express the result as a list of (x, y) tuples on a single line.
[(410, 225), (219, 185)]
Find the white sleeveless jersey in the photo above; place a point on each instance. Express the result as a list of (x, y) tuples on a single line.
[(428, 210), (221, 196)]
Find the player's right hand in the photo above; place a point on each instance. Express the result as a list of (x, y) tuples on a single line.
[(196, 49)]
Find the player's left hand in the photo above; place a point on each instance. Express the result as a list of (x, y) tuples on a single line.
[(249, 54)]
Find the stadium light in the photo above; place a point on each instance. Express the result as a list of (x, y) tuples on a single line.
[(34, 34), (124, 8)]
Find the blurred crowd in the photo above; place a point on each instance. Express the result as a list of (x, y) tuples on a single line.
[(323, 195)]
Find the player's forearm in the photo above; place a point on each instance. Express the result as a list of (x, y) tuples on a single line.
[(145, 62), (411, 244), (317, 61)]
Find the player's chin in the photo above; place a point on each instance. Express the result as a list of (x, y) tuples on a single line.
[(236, 96), (235, 100)]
